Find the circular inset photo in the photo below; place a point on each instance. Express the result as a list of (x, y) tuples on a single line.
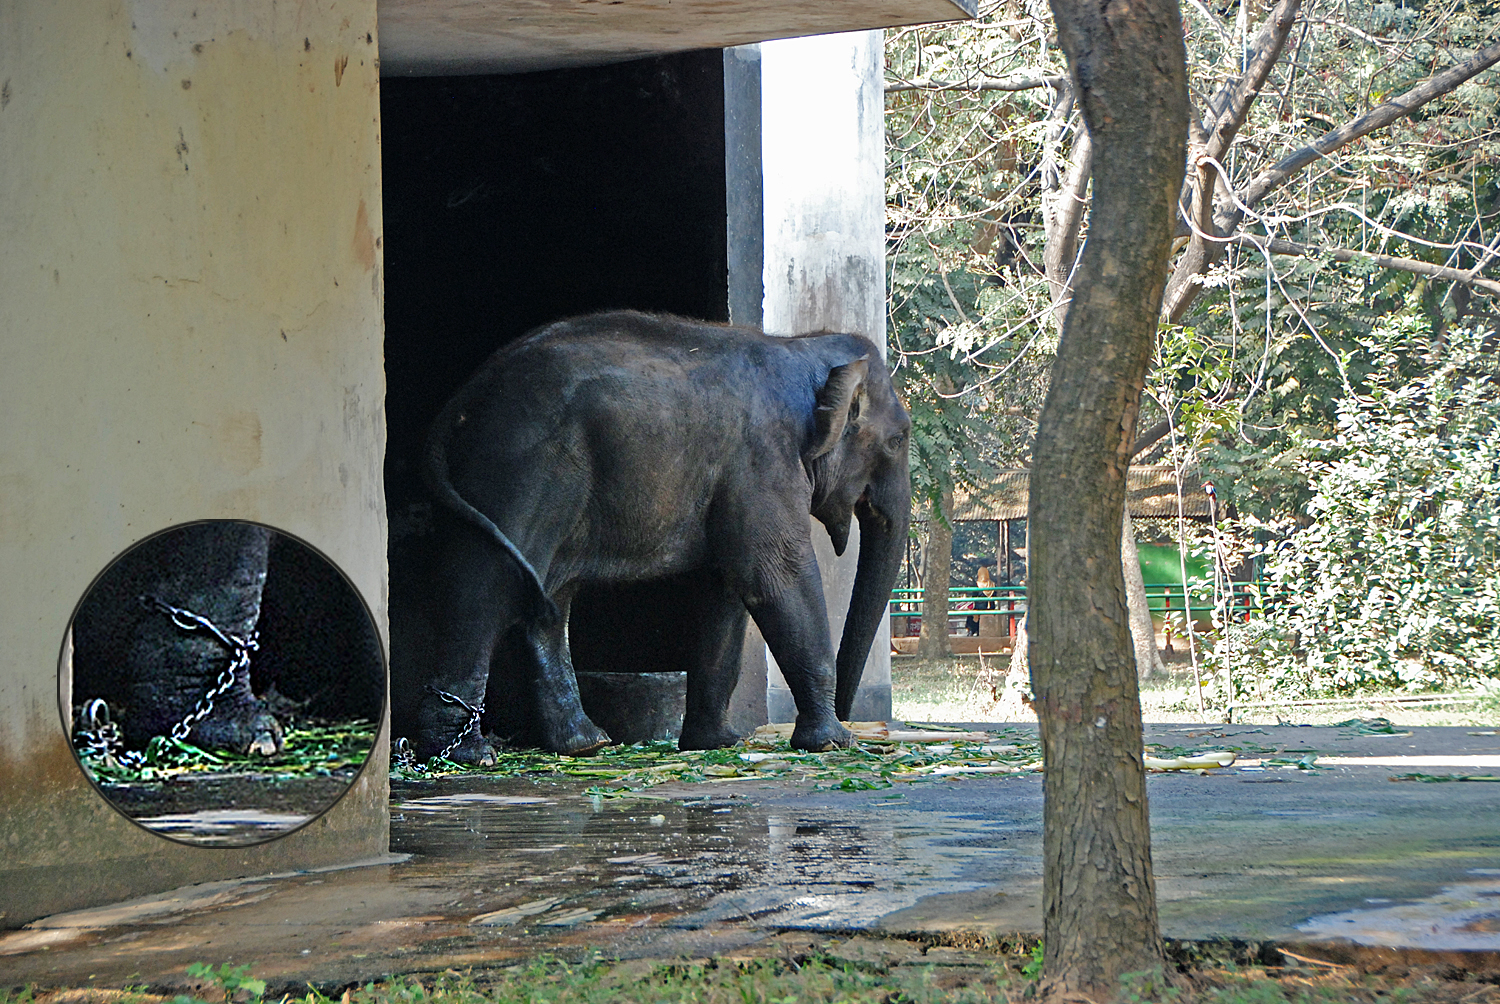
[(223, 683)]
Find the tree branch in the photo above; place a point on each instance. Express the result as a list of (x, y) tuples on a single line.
[(1015, 82), (1376, 118), (1183, 287), (1467, 278), (1151, 437), (1062, 235), (1230, 106)]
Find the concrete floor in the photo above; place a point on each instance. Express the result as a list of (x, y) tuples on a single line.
[(485, 872)]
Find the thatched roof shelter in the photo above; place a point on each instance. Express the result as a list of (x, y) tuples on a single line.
[(1152, 495)]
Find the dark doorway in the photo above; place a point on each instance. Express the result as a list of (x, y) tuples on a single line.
[(511, 201)]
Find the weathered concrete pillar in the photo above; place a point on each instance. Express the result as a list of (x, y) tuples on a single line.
[(191, 319), (823, 166)]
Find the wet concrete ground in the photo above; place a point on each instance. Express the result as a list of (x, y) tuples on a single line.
[(485, 872)]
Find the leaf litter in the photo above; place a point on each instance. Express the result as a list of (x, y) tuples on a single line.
[(886, 754), (309, 751)]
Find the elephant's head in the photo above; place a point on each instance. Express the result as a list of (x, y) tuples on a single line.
[(857, 463)]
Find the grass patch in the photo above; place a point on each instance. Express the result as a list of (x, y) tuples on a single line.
[(971, 689), (891, 971), (958, 689)]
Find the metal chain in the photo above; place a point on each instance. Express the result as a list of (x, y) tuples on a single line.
[(240, 649), (406, 759), (475, 714), (102, 737)]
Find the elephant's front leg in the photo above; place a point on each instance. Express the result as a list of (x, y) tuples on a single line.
[(564, 726), (714, 672), (794, 620)]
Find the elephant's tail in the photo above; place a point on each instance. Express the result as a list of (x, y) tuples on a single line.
[(435, 472)]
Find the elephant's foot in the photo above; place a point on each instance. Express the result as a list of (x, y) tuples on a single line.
[(473, 749), (449, 731), (578, 736), (820, 737), (242, 726), (716, 738)]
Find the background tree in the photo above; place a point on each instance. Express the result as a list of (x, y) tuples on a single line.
[(1341, 189), (1348, 153), (971, 376)]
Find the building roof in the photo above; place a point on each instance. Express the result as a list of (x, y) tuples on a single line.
[(1152, 495), (457, 37)]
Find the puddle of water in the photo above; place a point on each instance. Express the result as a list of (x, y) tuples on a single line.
[(436, 803), (223, 827), (1463, 917), (530, 864)]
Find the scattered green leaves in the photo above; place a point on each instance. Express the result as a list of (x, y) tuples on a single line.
[(622, 771), (1032, 970), (233, 981), (309, 751)]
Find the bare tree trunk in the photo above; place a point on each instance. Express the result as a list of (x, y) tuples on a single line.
[(938, 549), (1063, 223), (1015, 694), (1129, 71), (1142, 630)]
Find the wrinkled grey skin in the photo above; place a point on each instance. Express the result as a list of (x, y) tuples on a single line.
[(626, 447), (142, 664)]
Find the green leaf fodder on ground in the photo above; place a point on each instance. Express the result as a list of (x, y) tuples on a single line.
[(309, 751), (1371, 727), (627, 770), (234, 982)]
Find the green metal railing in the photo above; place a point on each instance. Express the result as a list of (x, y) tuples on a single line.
[(1162, 598)]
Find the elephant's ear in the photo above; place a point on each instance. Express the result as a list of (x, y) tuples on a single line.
[(838, 402)]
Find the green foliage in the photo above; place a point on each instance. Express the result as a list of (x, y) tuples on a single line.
[(1032, 970), (308, 751), (1298, 385), (969, 355), (1394, 578), (235, 982), (788, 980), (626, 771), (1288, 338)]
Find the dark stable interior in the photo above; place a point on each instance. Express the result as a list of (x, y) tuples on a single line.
[(512, 201)]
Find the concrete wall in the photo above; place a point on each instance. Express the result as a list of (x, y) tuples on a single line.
[(190, 327), (823, 163)]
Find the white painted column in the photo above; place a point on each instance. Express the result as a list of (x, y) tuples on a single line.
[(823, 162)]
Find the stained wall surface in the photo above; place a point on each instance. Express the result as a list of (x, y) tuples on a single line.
[(190, 327)]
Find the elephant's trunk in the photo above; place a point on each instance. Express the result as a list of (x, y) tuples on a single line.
[(884, 514)]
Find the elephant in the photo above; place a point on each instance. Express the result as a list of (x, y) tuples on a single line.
[(625, 448)]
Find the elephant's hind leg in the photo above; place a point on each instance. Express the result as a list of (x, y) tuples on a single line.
[(564, 726)]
